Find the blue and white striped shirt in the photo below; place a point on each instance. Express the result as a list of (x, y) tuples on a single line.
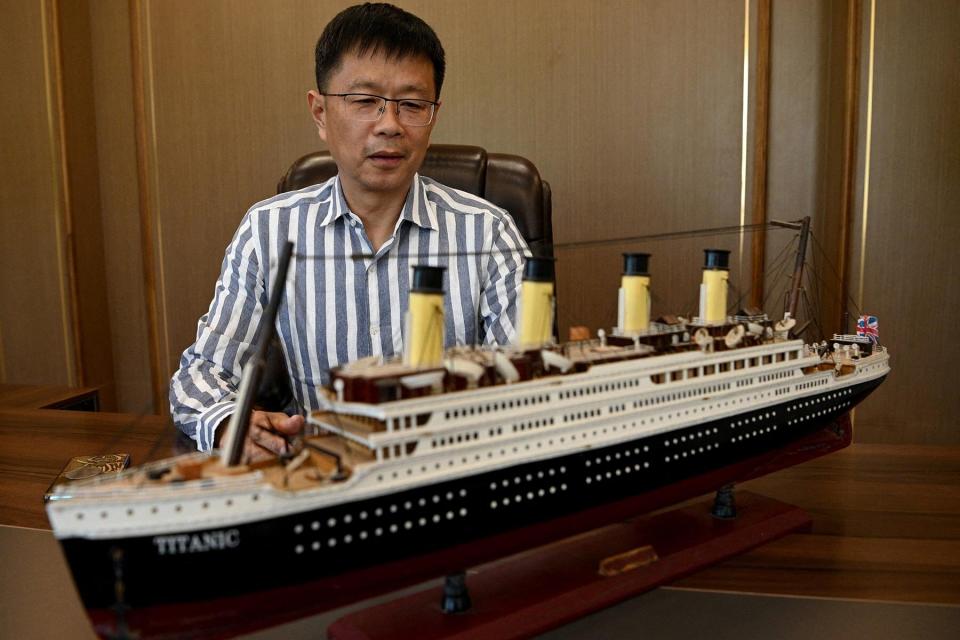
[(336, 309)]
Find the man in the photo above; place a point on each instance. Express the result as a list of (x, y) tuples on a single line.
[(379, 73)]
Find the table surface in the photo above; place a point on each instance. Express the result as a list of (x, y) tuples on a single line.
[(31, 396), (886, 518)]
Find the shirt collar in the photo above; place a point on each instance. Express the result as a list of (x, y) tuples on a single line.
[(417, 208)]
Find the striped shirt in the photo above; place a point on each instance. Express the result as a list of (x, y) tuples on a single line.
[(335, 308)]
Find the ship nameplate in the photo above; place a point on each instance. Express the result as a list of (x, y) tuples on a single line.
[(219, 540)]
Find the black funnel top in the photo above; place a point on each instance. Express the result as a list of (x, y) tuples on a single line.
[(636, 264), (538, 269), (716, 259), (427, 279)]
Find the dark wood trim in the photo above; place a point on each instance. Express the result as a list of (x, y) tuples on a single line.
[(848, 185), (65, 238), (83, 224), (761, 128), (158, 381)]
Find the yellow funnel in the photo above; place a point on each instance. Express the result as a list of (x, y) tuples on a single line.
[(536, 303), (425, 342), (635, 292), (713, 290)]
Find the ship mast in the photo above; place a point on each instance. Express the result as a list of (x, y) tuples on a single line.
[(239, 425), (793, 295)]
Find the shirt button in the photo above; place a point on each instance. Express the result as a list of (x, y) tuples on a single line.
[(374, 331)]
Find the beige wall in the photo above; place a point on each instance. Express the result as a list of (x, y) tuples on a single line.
[(116, 151), (907, 240), (631, 110), (35, 317)]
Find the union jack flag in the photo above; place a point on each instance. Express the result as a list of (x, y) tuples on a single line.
[(869, 326)]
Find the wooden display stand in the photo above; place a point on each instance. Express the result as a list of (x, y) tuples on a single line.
[(536, 591), (545, 587)]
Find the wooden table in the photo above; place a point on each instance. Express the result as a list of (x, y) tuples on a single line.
[(886, 518), (31, 396), (36, 444), (886, 526)]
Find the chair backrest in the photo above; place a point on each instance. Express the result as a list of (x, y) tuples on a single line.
[(508, 181)]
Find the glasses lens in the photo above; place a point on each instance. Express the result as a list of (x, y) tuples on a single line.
[(415, 112), (361, 107)]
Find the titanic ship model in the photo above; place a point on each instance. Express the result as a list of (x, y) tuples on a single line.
[(442, 450)]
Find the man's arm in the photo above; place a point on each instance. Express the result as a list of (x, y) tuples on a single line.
[(501, 291), (203, 390)]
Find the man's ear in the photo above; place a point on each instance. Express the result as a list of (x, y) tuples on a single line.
[(318, 109)]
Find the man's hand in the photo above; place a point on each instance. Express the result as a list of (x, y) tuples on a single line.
[(262, 436)]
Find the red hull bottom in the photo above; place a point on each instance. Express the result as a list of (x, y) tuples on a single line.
[(227, 617)]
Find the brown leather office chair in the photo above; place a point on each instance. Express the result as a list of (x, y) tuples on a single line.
[(508, 181)]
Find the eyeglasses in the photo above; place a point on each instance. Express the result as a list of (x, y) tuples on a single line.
[(367, 107)]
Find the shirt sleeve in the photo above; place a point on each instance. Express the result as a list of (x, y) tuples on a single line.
[(203, 390), (504, 273)]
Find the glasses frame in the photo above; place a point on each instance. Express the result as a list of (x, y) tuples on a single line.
[(433, 105)]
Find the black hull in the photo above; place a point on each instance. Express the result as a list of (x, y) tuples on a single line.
[(325, 544)]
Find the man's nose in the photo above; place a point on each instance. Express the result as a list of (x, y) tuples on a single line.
[(389, 120)]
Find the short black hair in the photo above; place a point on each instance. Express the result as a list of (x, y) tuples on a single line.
[(377, 27)]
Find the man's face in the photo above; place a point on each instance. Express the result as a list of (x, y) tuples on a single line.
[(376, 159)]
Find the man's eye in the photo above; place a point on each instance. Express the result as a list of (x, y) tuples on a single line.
[(413, 107), (364, 102)]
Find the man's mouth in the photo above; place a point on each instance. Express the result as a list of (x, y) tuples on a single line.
[(387, 158)]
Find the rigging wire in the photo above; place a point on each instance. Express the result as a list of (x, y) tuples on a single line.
[(815, 279), (812, 316), (815, 288), (778, 266), (820, 278), (581, 244)]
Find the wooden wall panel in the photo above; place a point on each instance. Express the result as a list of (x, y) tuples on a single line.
[(35, 318), (229, 84), (912, 225), (631, 110), (83, 210), (116, 151), (799, 97)]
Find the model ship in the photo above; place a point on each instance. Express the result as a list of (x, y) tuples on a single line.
[(442, 449)]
